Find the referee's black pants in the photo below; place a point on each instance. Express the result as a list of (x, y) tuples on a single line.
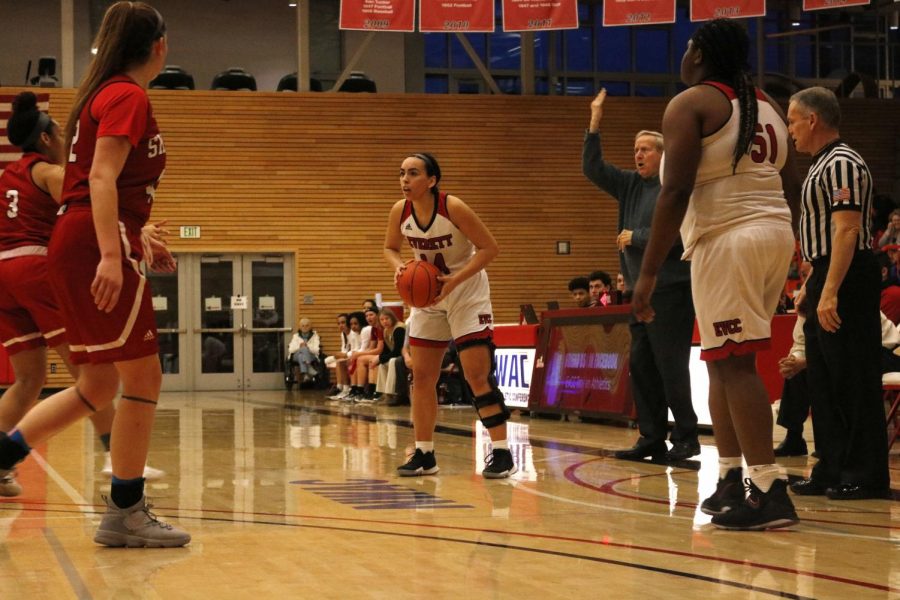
[(794, 407), (844, 370), (660, 366)]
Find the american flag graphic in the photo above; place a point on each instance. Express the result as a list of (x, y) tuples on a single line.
[(8, 152), (840, 194)]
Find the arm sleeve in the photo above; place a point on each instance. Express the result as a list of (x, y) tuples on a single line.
[(121, 109), (607, 177), (294, 345), (799, 347), (847, 184), (313, 344), (640, 237)]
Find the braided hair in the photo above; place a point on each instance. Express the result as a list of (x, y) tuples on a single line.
[(725, 46)]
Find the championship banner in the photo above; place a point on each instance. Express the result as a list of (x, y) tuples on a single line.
[(456, 15), (637, 12), (706, 10), (8, 152), (820, 4), (378, 15), (538, 15)]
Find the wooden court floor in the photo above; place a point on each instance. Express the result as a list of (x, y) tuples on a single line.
[(288, 496)]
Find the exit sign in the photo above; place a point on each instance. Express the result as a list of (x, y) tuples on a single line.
[(191, 232)]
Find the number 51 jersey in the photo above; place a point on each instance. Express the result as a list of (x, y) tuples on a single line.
[(752, 194)]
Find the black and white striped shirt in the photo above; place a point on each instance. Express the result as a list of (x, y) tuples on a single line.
[(838, 179)]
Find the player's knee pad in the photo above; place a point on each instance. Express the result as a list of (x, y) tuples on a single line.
[(492, 398)]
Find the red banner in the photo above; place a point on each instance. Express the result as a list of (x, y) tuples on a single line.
[(456, 15), (536, 15), (638, 12), (820, 4), (8, 152), (378, 15), (706, 10)]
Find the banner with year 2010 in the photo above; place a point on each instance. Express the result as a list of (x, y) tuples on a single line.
[(378, 15), (456, 15), (820, 4), (706, 10), (537, 15), (638, 12)]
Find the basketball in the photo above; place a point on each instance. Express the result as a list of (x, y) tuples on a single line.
[(418, 283)]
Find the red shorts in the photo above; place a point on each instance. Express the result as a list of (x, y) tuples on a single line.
[(29, 316), (96, 337)]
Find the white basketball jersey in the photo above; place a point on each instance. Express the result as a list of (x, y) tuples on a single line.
[(752, 193), (438, 242)]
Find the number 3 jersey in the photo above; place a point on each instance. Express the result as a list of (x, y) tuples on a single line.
[(27, 213), (752, 194), (119, 107)]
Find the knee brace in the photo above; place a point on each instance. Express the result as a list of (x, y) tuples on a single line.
[(494, 397)]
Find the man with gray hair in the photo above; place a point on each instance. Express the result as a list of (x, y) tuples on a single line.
[(660, 350), (841, 298)]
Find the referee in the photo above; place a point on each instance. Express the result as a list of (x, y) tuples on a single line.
[(841, 298)]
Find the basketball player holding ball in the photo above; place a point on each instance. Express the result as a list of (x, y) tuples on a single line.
[(442, 230)]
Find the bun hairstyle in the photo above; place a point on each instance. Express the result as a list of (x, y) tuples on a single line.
[(27, 122), (432, 169), (125, 39)]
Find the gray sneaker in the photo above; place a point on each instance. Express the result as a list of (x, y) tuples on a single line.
[(9, 487), (137, 527)]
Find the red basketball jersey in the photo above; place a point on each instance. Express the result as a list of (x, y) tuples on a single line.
[(119, 107), (27, 213)]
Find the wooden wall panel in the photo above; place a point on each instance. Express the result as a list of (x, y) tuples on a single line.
[(316, 174)]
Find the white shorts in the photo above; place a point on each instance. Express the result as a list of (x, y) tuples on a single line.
[(465, 314), (737, 278)]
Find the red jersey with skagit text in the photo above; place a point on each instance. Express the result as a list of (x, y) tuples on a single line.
[(119, 107), (27, 213)]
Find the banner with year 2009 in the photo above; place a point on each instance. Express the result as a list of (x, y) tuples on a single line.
[(456, 15), (638, 12), (378, 15), (537, 15), (705, 10)]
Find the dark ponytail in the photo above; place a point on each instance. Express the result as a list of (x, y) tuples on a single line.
[(725, 46)]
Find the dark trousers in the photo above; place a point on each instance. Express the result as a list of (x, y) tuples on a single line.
[(659, 363), (794, 407), (845, 378)]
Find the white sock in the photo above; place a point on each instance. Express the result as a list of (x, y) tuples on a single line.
[(727, 463), (500, 445), (345, 388), (763, 476), (425, 446)]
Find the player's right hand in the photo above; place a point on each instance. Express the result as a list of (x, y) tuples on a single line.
[(107, 284)]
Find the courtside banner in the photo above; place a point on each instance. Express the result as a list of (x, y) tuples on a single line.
[(378, 15), (638, 12), (820, 4), (536, 15), (456, 15), (706, 10), (8, 152)]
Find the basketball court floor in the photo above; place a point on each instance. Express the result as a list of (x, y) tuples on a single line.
[(288, 496)]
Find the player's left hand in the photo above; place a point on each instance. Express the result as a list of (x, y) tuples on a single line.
[(827, 312), (640, 299), (624, 239), (448, 284)]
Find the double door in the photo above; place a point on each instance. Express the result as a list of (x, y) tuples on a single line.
[(224, 321)]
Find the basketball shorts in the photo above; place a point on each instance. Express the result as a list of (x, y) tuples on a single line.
[(737, 278), (465, 315), (96, 337), (29, 316)]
